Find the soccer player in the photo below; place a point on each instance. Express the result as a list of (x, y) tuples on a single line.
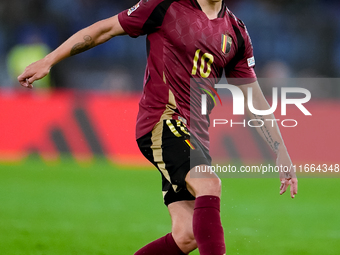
[(185, 39)]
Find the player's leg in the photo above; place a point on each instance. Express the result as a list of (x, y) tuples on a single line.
[(203, 183), (197, 223), (181, 213), (181, 240), (169, 149), (165, 245), (179, 156), (207, 227), (152, 146)]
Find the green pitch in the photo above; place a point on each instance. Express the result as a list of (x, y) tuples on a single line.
[(97, 208)]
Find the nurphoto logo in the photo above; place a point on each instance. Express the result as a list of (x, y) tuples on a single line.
[(239, 105)]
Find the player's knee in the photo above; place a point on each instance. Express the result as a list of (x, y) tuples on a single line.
[(185, 240), (208, 187), (213, 187), (203, 183)]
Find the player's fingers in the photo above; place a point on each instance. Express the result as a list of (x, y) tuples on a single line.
[(32, 79), (296, 187), (26, 74), (293, 187), (26, 84), (29, 81), (22, 77), (284, 186), (29, 85), (24, 80)]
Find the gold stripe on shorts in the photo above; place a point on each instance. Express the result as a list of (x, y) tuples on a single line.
[(157, 151), (183, 129), (173, 129), (156, 137)]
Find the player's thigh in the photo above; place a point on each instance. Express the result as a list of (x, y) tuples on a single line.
[(171, 148), (181, 213)]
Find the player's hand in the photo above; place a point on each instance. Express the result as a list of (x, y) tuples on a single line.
[(33, 72), (288, 175), (286, 182)]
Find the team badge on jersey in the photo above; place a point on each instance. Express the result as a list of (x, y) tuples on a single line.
[(132, 9), (227, 42), (251, 62)]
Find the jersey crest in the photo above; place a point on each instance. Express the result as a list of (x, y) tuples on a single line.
[(251, 61), (227, 42)]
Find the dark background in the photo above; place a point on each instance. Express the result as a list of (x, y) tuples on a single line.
[(296, 38)]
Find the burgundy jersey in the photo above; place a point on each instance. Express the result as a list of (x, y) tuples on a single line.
[(184, 45)]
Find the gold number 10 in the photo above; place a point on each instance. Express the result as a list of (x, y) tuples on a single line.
[(203, 64)]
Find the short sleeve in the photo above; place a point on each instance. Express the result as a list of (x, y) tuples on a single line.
[(243, 72), (143, 18)]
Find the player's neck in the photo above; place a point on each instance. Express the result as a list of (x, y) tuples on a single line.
[(211, 7)]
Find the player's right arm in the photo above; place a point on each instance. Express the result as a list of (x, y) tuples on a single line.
[(81, 41), (271, 134)]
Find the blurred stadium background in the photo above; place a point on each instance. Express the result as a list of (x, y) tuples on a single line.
[(72, 180)]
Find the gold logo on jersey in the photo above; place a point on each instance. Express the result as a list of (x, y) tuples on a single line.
[(227, 42)]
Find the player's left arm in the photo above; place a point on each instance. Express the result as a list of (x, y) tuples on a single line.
[(85, 39), (271, 134)]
